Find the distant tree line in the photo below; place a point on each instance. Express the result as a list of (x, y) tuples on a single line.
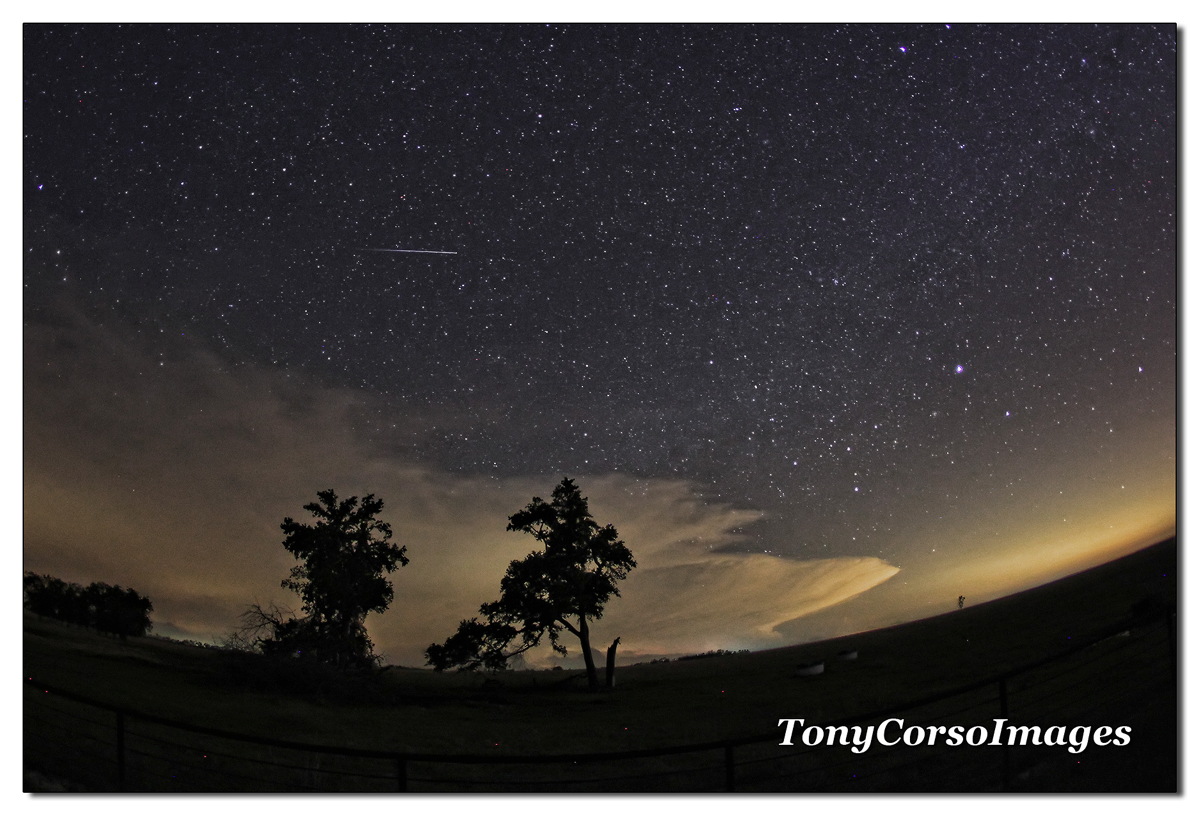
[(713, 653), (110, 609)]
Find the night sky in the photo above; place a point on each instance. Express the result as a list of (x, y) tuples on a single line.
[(833, 323)]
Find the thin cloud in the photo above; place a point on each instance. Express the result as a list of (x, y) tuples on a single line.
[(173, 478)]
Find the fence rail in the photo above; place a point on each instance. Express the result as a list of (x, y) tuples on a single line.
[(101, 747)]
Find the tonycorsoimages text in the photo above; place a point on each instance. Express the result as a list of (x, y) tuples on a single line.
[(893, 732)]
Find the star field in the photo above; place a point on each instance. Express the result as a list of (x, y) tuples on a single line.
[(907, 291)]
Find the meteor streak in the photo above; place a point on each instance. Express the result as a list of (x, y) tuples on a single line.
[(423, 251)]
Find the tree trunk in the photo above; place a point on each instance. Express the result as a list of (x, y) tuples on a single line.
[(610, 668), (586, 642)]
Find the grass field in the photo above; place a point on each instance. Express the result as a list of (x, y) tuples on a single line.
[(1127, 679)]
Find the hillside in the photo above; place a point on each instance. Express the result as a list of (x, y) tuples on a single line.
[(716, 698)]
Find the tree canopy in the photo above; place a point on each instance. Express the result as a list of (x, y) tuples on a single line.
[(560, 587), (110, 609), (346, 554)]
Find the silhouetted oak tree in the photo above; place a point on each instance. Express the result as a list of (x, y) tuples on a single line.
[(560, 587), (346, 554)]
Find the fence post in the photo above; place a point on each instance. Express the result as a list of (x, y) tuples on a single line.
[(729, 786), (1004, 715), (401, 774), (120, 751), (1171, 643)]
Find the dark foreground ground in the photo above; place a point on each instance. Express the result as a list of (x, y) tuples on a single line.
[(1096, 649)]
